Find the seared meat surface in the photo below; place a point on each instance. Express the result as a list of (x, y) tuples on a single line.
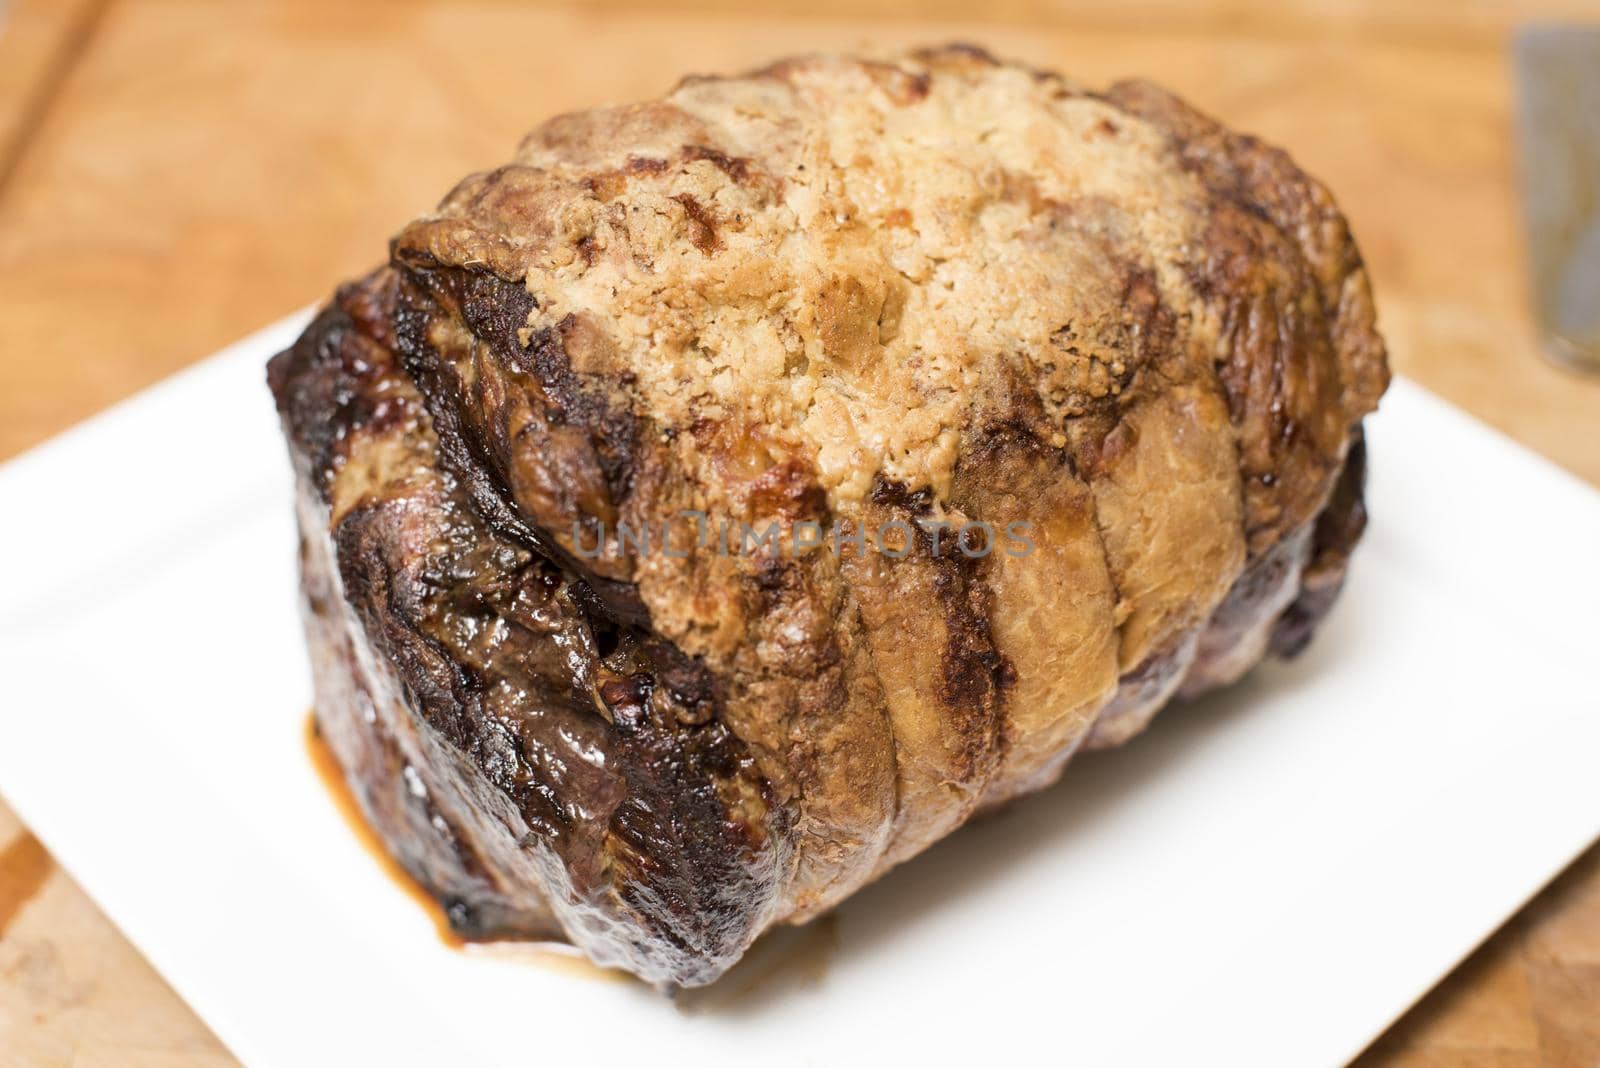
[(724, 500)]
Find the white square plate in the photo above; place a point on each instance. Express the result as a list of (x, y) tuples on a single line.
[(1267, 878)]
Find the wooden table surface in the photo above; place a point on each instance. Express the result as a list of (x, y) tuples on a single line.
[(174, 173)]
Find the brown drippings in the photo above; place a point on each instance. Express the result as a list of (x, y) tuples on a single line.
[(559, 958), (568, 960), (326, 765), (24, 869)]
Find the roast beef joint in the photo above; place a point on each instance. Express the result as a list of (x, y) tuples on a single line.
[(729, 497)]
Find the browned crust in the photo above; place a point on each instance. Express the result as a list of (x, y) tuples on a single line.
[(538, 765), (1104, 316)]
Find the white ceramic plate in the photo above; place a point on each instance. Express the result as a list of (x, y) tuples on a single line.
[(1267, 878)]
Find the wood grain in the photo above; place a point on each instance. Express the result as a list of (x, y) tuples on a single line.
[(192, 171), (40, 41), (1529, 998), (72, 990)]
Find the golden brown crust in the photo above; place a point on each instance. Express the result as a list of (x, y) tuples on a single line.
[(769, 298), (931, 289)]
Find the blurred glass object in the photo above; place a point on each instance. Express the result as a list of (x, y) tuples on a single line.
[(1558, 120)]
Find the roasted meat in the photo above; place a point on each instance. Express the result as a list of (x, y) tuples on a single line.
[(726, 499)]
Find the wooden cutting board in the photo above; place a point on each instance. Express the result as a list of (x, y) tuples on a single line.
[(174, 173)]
